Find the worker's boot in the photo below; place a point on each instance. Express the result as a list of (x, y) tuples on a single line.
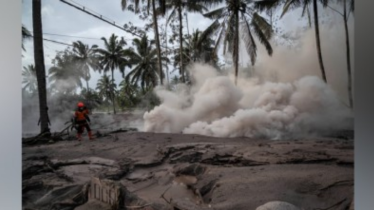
[(79, 136), (90, 135)]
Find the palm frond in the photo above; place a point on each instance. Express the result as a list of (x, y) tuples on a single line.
[(215, 14), (263, 25), (262, 37), (290, 4), (229, 36), (250, 44), (267, 5), (306, 10), (208, 32), (195, 7), (207, 3), (172, 15), (220, 35)]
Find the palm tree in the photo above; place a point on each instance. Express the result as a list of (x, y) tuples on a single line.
[(199, 46), (65, 76), (25, 35), (86, 59), (176, 7), (345, 15), (128, 93), (112, 57), (251, 21), (29, 79), (106, 89), (155, 26), (294, 4), (145, 61), (39, 65)]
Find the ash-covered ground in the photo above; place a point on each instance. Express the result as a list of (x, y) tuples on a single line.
[(187, 171)]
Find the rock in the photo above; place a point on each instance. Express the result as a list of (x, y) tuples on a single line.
[(192, 170), (277, 205)]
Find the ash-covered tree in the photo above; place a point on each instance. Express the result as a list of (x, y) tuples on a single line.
[(155, 12), (65, 76), (112, 57), (144, 61), (236, 15), (39, 65), (86, 59), (266, 5), (199, 47), (176, 9), (106, 89), (348, 8), (128, 94)]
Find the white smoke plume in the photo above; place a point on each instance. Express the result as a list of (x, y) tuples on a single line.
[(293, 103)]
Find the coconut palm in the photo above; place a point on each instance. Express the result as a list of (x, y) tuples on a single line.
[(176, 8), (241, 14), (39, 65), (128, 94), (294, 4), (65, 76), (199, 47), (161, 10), (86, 59), (106, 89), (112, 57), (29, 79), (144, 60), (345, 16)]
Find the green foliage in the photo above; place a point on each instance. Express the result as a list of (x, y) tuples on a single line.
[(106, 88), (144, 60), (29, 79), (112, 57)]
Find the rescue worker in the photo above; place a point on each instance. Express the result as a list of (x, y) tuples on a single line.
[(81, 121)]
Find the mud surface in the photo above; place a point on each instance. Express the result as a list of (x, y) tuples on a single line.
[(172, 171)]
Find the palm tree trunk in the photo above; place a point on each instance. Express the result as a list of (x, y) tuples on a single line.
[(318, 41), (167, 50), (157, 42), (188, 30), (113, 102), (181, 44), (39, 64), (348, 56), (88, 88), (236, 46)]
